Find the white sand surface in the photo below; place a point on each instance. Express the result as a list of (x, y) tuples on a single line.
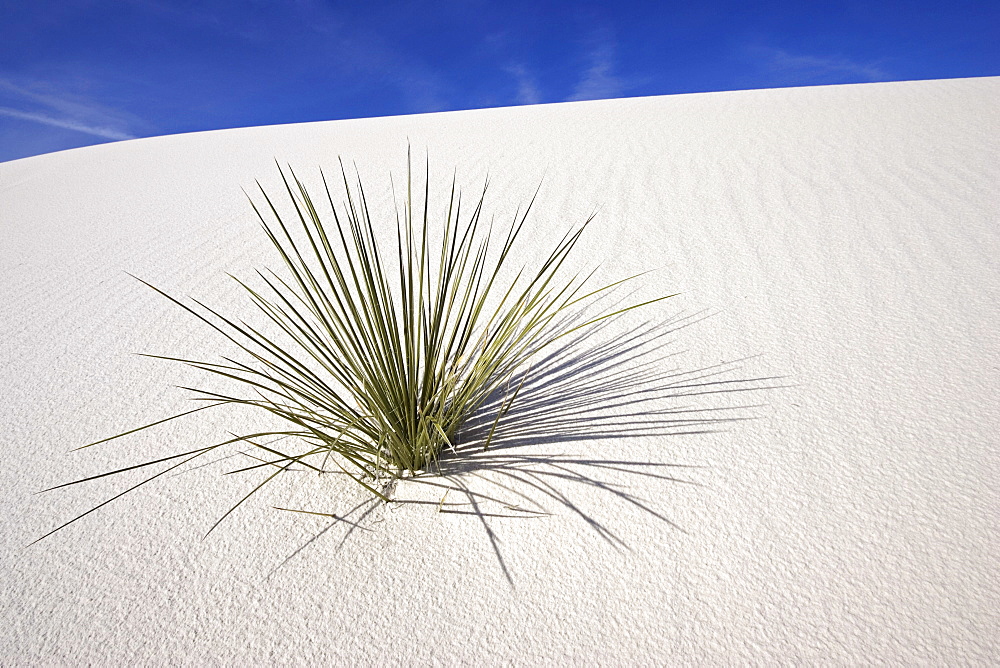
[(845, 238)]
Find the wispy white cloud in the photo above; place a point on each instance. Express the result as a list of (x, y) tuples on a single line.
[(34, 103), (527, 88), (599, 81), (808, 68), (94, 130)]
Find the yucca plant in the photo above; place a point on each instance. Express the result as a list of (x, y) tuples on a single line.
[(374, 358)]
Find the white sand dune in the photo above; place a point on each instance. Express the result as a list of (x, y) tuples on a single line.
[(845, 237)]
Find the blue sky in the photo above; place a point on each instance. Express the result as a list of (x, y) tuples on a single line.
[(81, 72)]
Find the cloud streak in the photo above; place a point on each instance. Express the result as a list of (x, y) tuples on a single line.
[(527, 89), (96, 131), (807, 68), (66, 112), (599, 82)]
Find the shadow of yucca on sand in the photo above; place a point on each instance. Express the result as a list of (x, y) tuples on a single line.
[(372, 355), (584, 390)]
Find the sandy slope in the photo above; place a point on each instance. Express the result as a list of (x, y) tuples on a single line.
[(848, 235)]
